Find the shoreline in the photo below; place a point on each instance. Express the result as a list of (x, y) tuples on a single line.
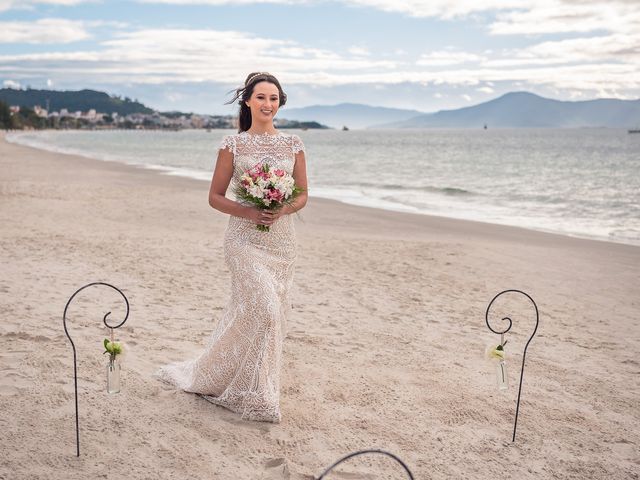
[(197, 176)]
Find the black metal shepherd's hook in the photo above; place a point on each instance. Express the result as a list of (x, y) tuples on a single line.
[(362, 452), (524, 354), (75, 369)]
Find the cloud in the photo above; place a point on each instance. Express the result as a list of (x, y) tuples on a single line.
[(45, 30), (226, 2), (513, 17), (534, 13), (414, 8), (360, 51), (11, 84), (174, 97), (524, 17), (616, 48), (31, 4), (156, 56), (605, 79), (604, 62), (485, 89), (448, 57), (445, 9), (619, 47), (569, 16)]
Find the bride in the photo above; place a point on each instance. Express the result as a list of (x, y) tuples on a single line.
[(240, 366)]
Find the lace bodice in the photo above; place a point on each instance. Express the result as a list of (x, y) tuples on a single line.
[(277, 150)]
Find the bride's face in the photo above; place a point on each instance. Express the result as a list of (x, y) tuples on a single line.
[(264, 101)]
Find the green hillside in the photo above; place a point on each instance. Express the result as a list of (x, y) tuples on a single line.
[(82, 100)]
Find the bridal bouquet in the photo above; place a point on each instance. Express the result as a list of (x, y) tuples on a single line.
[(267, 189)]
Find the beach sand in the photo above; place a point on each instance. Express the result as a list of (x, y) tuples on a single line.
[(385, 346)]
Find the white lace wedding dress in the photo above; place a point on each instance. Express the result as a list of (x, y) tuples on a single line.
[(240, 366)]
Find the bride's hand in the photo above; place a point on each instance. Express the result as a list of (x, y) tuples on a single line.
[(264, 217)]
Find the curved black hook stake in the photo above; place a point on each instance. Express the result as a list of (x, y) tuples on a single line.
[(75, 368), (362, 452), (524, 354)]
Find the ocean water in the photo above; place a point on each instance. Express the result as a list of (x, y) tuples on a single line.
[(578, 182)]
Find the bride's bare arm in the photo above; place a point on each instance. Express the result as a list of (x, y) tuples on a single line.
[(300, 177), (220, 182)]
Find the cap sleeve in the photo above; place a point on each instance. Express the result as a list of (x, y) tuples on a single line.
[(228, 142), (297, 144)]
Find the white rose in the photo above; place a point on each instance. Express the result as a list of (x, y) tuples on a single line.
[(256, 191)]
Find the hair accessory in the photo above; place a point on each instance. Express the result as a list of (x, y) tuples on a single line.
[(256, 75)]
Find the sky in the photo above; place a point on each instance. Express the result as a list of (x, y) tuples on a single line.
[(424, 55)]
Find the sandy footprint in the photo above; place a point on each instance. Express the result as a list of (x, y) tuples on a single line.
[(276, 468)]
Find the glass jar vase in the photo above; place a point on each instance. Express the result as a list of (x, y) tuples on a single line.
[(501, 375), (113, 375)]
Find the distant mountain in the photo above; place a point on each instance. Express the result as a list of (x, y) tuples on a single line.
[(82, 100), (523, 109), (516, 109), (352, 115)]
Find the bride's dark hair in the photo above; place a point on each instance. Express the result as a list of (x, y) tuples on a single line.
[(244, 94)]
